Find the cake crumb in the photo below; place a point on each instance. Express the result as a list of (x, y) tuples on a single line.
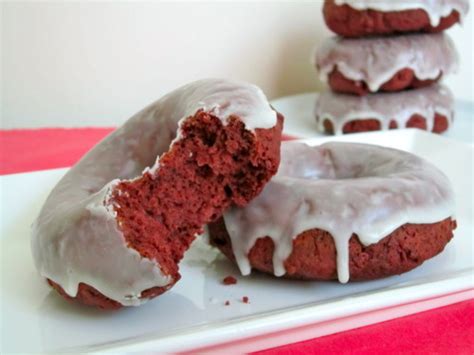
[(245, 299), (227, 303), (229, 280)]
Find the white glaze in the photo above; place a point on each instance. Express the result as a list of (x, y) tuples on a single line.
[(76, 237), (342, 188), (436, 9), (384, 107), (376, 60)]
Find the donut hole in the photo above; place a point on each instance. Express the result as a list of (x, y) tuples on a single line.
[(302, 162)]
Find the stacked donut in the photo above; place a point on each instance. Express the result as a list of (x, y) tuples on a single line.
[(384, 68)]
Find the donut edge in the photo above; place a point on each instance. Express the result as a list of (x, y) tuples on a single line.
[(372, 22), (314, 253)]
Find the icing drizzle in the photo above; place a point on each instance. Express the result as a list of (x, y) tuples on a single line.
[(436, 9), (384, 107), (376, 60), (342, 188), (76, 238)]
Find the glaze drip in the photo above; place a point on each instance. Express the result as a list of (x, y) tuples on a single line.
[(376, 60), (76, 238), (344, 189), (436, 9), (384, 107)]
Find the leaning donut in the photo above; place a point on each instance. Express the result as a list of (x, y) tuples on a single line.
[(114, 229), (356, 18), (341, 210)]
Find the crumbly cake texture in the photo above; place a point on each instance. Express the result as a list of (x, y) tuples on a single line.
[(341, 211), (210, 168), (365, 18), (136, 230)]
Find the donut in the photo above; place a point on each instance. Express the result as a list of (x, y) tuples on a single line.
[(430, 108), (357, 18), (115, 227), (385, 64), (343, 211)]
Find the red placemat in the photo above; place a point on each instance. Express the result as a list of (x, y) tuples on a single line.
[(446, 330), (48, 148)]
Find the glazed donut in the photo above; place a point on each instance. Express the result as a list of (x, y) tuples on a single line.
[(341, 210), (430, 108), (361, 66), (357, 18), (115, 227)]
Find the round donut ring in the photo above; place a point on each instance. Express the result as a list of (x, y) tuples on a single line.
[(114, 229), (341, 210)]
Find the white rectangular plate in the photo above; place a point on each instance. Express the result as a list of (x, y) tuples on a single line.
[(193, 315)]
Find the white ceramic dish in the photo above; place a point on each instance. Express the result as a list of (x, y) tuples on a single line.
[(300, 122), (193, 316)]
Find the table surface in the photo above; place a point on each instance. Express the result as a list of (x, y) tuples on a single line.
[(448, 329)]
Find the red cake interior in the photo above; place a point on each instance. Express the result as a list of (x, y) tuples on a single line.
[(210, 167)]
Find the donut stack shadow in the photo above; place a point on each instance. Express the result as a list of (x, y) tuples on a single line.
[(385, 66)]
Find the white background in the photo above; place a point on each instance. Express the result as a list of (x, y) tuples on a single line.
[(97, 63)]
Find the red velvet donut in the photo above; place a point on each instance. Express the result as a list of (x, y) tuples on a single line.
[(114, 229), (364, 18)]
